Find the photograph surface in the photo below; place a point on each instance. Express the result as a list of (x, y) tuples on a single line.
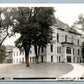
[(42, 42)]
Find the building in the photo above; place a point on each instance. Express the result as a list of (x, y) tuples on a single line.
[(19, 57), (65, 46), (9, 53), (82, 42)]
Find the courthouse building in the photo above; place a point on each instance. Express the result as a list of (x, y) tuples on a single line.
[(65, 47)]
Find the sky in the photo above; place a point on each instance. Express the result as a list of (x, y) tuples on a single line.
[(68, 13)]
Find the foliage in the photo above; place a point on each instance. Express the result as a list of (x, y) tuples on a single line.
[(2, 53), (44, 18), (5, 24), (33, 24), (79, 24), (83, 51)]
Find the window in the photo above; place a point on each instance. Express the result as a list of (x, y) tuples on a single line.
[(65, 38), (22, 60), (77, 59), (73, 51), (78, 52), (59, 59), (68, 50), (14, 53), (51, 48), (74, 59), (51, 58), (42, 58), (30, 59), (42, 49), (19, 60), (58, 49), (17, 53), (57, 37), (78, 41), (72, 39)]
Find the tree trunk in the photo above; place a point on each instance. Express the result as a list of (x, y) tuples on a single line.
[(37, 52), (27, 49), (35, 49), (0, 55)]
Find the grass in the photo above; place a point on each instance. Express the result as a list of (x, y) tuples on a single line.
[(35, 70)]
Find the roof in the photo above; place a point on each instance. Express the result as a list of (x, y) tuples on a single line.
[(61, 24), (64, 27)]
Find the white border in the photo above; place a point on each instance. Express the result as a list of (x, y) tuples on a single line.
[(35, 5)]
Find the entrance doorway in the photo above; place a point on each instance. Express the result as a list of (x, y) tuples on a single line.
[(68, 58), (41, 58)]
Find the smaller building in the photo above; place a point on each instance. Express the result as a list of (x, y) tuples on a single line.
[(19, 57), (9, 53)]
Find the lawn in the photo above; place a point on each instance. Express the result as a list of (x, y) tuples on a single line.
[(35, 70)]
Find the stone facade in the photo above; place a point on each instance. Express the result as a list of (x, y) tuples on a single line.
[(65, 47)]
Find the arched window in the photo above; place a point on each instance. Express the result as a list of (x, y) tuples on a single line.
[(68, 50)]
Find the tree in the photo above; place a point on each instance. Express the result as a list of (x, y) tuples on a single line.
[(42, 36), (22, 24), (83, 51), (79, 24), (5, 26), (2, 53), (33, 25)]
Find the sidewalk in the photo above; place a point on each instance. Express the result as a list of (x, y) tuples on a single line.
[(78, 71)]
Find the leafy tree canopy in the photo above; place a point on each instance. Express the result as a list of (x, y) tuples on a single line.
[(5, 24), (33, 24), (2, 53)]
